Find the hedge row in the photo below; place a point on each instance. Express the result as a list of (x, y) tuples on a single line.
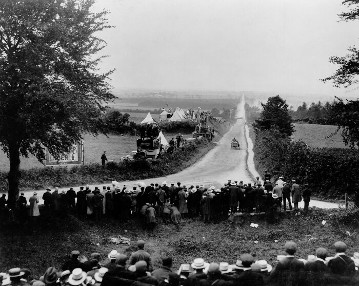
[(40, 178), (330, 172)]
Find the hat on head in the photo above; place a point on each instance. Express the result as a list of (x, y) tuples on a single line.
[(50, 275), (77, 277), (213, 268), (75, 253), (247, 259), (140, 243), (5, 279), (164, 183), (15, 272), (64, 276), (140, 266), (96, 256), (264, 266), (198, 263), (255, 267), (35, 283), (275, 196), (113, 254), (233, 184), (340, 246), (184, 268), (100, 273), (356, 255), (224, 267), (121, 259)]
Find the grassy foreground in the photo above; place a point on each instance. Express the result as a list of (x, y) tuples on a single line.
[(48, 244)]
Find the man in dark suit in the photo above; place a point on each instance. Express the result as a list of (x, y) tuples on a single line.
[(289, 270), (342, 267), (316, 272), (250, 275)]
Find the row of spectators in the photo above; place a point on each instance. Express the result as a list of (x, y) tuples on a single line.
[(191, 201), (136, 270)]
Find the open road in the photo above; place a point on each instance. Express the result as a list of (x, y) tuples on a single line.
[(218, 165)]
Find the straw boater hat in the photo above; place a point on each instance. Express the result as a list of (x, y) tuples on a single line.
[(224, 267), (16, 272), (264, 265), (113, 254), (77, 277), (198, 263), (100, 273), (5, 279)]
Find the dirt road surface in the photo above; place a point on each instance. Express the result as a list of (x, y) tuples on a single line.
[(218, 165)]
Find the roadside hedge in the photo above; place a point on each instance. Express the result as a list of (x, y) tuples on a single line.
[(329, 172), (49, 177)]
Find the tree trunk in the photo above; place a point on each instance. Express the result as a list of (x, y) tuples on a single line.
[(14, 174)]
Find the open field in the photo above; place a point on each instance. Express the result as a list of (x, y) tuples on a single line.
[(116, 146), (47, 245), (318, 136)]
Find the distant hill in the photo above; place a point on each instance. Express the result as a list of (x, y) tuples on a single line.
[(321, 136)]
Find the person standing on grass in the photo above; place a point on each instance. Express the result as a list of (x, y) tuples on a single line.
[(21, 204), (278, 190), (34, 207), (103, 159), (286, 196), (296, 194), (306, 197)]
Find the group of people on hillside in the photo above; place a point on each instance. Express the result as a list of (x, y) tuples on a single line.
[(169, 201), (137, 270)]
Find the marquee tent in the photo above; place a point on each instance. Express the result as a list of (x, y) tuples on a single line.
[(163, 115), (177, 116), (163, 139), (148, 119)]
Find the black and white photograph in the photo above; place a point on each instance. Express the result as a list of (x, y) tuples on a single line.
[(179, 143)]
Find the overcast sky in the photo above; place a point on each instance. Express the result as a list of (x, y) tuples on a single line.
[(260, 45)]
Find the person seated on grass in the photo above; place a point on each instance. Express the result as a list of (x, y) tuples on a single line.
[(214, 277), (316, 269), (93, 263), (73, 262), (51, 277), (141, 254), (289, 270), (198, 265), (119, 275), (140, 269), (112, 256), (162, 273), (341, 267), (17, 277)]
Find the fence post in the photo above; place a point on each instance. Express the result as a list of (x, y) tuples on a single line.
[(346, 201)]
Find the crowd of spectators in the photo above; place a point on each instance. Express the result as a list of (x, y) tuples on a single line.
[(137, 270), (169, 201)]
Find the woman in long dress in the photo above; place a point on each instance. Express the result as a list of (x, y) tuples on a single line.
[(182, 203)]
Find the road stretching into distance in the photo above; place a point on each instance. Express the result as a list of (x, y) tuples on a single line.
[(216, 167)]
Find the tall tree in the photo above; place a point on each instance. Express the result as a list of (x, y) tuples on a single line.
[(346, 115), (275, 115), (50, 89)]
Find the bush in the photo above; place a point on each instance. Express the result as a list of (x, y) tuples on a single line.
[(178, 126), (40, 178), (329, 172)]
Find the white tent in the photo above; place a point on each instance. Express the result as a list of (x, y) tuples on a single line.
[(163, 115), (176, 116), (148, 119), (163, 139), (181, 112)]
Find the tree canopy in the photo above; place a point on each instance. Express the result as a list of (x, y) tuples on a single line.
[(50, 89), (275, 115)]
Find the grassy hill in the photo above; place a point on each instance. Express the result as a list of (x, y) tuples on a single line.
[(318, 136)]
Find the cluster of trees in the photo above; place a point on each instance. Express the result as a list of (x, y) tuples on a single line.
[(316, 113)]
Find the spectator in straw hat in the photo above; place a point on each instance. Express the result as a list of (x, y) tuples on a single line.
[(77, 277), (34, 206), (111, 265), (289, 270), (17, 277), (120, 270), (214, 277), (265, 269), (198, 266), (141, 254), (100, 274)]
